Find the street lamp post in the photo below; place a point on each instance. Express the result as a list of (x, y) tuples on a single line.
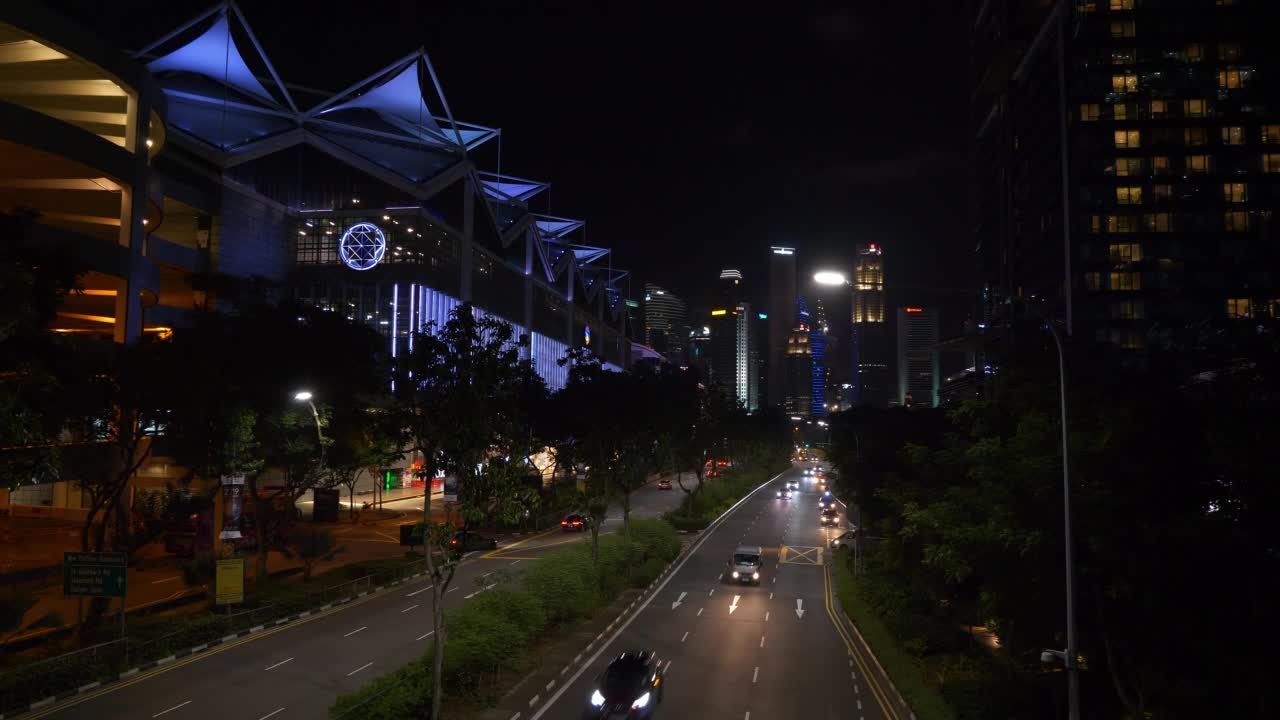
[(305, 396)]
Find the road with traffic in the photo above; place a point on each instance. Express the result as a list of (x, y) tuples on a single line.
[(298, 670)]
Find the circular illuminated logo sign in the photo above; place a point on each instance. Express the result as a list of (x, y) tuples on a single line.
[(362, 246)]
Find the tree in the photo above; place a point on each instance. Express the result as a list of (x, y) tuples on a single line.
[(311, 544), (460, 396)]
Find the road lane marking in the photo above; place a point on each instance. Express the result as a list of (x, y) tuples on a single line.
[(273, 667), (175, 707), (755, 674), (277, 711), (353, 632), (418, 592), (408, 609), (685, 636), (362, 667), (424, 637)]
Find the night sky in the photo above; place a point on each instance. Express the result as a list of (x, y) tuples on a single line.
[(690, 136)]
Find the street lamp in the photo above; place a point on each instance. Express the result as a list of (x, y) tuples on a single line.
[(305, 396)]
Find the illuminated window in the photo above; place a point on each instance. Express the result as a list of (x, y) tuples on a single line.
[(1125, 252), (1128, 310), (1235, 220), (1126, 281), (1121, 4), (1239, 308), (1195, 52), (1127, 167), (1121, 224), (1159, 108), (1157, 222), (1162, 192), (1126, 82), (1232, 135), (1093, 281), (1193, 107), (1126, 56), (1160, 165), (1271, 133), (1232, 78), (1129, 195), (1228, 52), (1235, 192), (1089, 112), (1271, 162), (1197, 163), (1194, 136), (1122, 29), (1128, 138)]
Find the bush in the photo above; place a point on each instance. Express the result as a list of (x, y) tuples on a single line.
[(405, 693)]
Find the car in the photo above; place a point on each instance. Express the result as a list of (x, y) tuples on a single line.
[(630, 687), (845, 539), (575, 523), (784, 493), (744, 566), (830, 516), (466, 541)]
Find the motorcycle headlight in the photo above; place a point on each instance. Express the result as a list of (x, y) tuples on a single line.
[(597, 699), (640, 702), (735, 574)]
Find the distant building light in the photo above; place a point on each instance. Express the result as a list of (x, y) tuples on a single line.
[(914, 309), (715, 313)]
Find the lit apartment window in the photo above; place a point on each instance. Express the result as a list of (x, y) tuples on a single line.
[(1160, 165), (1128, 310), (1123, 29), (1121, 224), (1232, 135), (1195, 52), (1235, 220), (1197, 163), (1125, 252), (1232, 78), (1162, 192), (1271, 133), (1093, 281), (1121, 4), (1194, 136), (1228, 52), (1194, 107), (1239, 308), (1159, 108), (1128, 138), (1157, 222), (1235, 192), (1090, 112), (1129, 195), (1271, 162), (1125, 281), (1127, 167), (1124, 82), (1126, 56)]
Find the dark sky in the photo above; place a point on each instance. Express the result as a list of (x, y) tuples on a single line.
[(690, 136)]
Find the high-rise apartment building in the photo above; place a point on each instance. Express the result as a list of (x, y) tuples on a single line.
[(1128, 160), (871, 344), (781, 312), (664, 314), (918, 369)]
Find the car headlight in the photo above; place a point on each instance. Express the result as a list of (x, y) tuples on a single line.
[(640, 702), (735, 574), (597, 699), (755, 576)]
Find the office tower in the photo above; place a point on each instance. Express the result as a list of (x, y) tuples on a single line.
[(781, 311), (870, 329), (664, 313), (1138, 194), (918, 356), (797, 373)]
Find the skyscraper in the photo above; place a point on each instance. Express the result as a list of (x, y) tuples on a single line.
[(871, 342), (664, 312), (781, 312), (1138, 194), (918, 356)]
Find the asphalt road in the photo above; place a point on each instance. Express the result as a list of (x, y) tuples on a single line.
[(736, 652), (298, 670)]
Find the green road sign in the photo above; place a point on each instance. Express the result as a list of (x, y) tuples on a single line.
[(94, 574)]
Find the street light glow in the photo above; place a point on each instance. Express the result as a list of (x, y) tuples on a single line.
[(302, 395), (829, 277)]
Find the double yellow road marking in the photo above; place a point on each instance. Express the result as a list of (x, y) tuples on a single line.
[(873, 680)]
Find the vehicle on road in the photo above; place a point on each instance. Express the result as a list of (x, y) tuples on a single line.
[(827, 500), (844, 540), (630, 687), (664, 484), (466, 541), (575, 523), (830, 516), (784, 493), (744, 566)]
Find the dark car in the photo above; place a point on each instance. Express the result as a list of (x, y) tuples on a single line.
[(630, 687), (664, 484), (466, 541), (575, 523)]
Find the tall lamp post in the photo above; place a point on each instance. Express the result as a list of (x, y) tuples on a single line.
[(305, 396), (1068, 656)]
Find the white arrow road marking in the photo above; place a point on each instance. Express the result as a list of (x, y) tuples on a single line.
[(676, 604), (734, 605), (799, 608)]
